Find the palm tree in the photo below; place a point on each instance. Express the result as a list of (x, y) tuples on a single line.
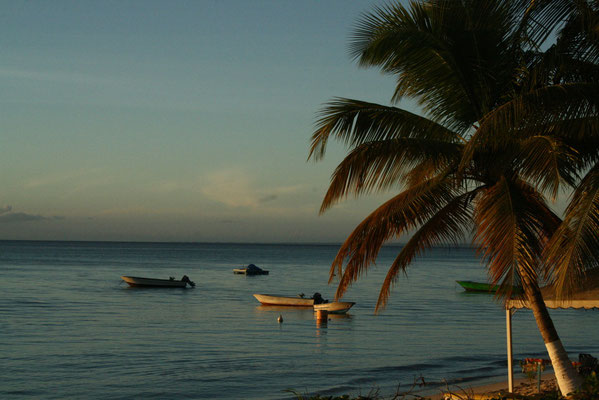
[(496, 139), (574, 249)]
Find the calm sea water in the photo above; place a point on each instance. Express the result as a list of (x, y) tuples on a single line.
[(69, 328)]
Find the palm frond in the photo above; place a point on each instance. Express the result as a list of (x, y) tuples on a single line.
[(446, 226), (381, 165), (574, 248), (532, 114), (513, 223), (578, 141), (453, 57), (542, 17), (403, 212), (356, 122), (579, 35), (546, 163)]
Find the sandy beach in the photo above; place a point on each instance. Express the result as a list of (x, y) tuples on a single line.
[(522, 386)]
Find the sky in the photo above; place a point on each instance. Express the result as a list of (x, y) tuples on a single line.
[(175, 120)]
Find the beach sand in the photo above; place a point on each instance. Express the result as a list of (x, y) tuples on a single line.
[(522, 386)]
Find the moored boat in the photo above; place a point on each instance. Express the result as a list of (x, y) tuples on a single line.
[(471, 286), (250, 270), (335, 307), (290, 301), (480, 287), (136, 281)]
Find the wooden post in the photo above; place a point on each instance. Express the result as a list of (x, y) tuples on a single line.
[(322, 315), (539, 366), (510, 367)]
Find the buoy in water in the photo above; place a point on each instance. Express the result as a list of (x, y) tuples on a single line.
[(280, 319)]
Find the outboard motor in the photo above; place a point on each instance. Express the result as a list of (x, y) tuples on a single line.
[(186, 280), (318, 298)]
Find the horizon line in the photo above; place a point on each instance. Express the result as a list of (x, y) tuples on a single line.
[(216, 242)]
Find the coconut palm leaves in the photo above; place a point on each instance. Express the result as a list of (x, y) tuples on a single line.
[(513, 223), (574, 249), (451, 57), (448, 162), (505, 124), (385, 141)]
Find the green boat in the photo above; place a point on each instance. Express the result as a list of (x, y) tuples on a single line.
[(471, 286)]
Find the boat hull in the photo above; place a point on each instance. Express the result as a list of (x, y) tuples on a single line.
[(287, 301), (479, 287), (244, 271), (336, 307), (470, 286), (135, 281)]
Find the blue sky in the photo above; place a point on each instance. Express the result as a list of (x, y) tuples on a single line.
[(174, 120)]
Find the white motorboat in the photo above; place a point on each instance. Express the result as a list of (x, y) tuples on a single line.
[(335, 307), (277, 300), (136, 281)]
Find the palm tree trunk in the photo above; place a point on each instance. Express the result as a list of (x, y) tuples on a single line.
[(568, 379)]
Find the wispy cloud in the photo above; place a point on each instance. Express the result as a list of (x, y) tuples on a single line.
[(7, 216), (230, 187), (268, 198), (5, 209), (20, 217), (236, 188)]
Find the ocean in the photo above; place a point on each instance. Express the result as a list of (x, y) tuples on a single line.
[(71, 329)]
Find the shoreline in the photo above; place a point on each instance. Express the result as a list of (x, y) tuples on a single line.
[(522, 386)]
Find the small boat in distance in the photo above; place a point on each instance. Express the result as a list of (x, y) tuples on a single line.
[(471, 286), (335, 307), (479, 287), (250, 270), (135, 281), (290, 301), (316, 301)]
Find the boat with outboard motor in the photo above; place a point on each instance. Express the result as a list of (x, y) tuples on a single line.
[(135, 281), (335, 307), (278, 300), (292, 301), (316, 301)]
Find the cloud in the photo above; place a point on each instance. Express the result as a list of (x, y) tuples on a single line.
[(236, 188), (7, 216), (20, 217), (268, 198), (5, 209), (231, 187)]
